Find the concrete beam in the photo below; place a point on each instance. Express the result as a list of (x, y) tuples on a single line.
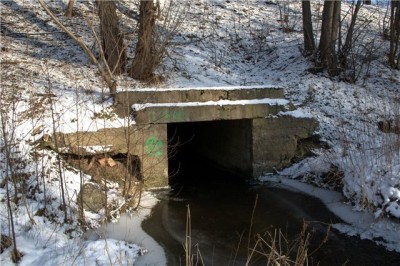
[(176, 114), (125, 99)]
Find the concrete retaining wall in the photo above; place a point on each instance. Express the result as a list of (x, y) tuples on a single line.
[(275, 141), (148, 142)]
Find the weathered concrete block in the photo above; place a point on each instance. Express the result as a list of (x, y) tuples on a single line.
[(275, 141), (147, 142)]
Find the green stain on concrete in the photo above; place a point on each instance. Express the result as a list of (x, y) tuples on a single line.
[(153, 146)]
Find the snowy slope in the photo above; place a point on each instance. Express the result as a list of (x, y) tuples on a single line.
[(48, 83)]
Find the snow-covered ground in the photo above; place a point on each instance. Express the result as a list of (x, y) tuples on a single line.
[(48, 83)]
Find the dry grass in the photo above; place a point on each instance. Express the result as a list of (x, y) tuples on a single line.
[(272, 247), (277, 249)]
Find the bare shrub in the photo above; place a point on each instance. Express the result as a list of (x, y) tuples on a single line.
[(359, 49), (370, 160), (170, 18), (359, 60), (192, 257), (278, 249), (288, 19), (9, 146), (273, 246)]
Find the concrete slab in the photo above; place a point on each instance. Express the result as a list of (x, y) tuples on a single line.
[(124, 100), (208, 112)]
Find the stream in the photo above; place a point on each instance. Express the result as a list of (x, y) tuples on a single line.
[(221, 223), (227, 215)]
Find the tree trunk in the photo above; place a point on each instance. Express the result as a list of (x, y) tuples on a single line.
[(394, 53), (326, 31), (112, 40), (145, 59), (70, 7), (348, 44), (309, 43), (329, 33)]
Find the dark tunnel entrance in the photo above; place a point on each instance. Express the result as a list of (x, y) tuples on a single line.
[(197, 150)]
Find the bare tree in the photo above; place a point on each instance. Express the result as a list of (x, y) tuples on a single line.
[(145, 59), (394, 52), (348, 44), (150, 47), (59, 164), (329, 35), (309, 42), (112, 40)]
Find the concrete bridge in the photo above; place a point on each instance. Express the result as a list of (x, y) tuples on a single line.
[(246, 130)]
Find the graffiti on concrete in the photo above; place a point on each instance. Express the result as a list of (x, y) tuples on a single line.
[(167, 115), (154, 146)]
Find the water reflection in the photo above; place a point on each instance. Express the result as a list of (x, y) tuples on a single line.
[(221, 218)]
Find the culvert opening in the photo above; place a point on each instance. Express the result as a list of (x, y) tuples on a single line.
[(210, 150)]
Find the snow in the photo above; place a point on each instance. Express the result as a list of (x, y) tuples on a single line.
[(266, 101), (361, 223), (95, 149), (298, 113), (100, 252), (128, 228), (222, 88), (48, 84)]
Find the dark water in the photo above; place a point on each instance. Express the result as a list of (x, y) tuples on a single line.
[(221, 209)]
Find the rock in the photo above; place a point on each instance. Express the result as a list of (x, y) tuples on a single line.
[(111, 162), (389, 126), (102, 162), (107, 161), (94, 198), (37, 130)]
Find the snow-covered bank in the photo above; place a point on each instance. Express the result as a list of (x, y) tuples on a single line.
[(383, 231), (128, 228), (45, 243)]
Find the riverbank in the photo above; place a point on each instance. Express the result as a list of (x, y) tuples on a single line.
[(359, 223)]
